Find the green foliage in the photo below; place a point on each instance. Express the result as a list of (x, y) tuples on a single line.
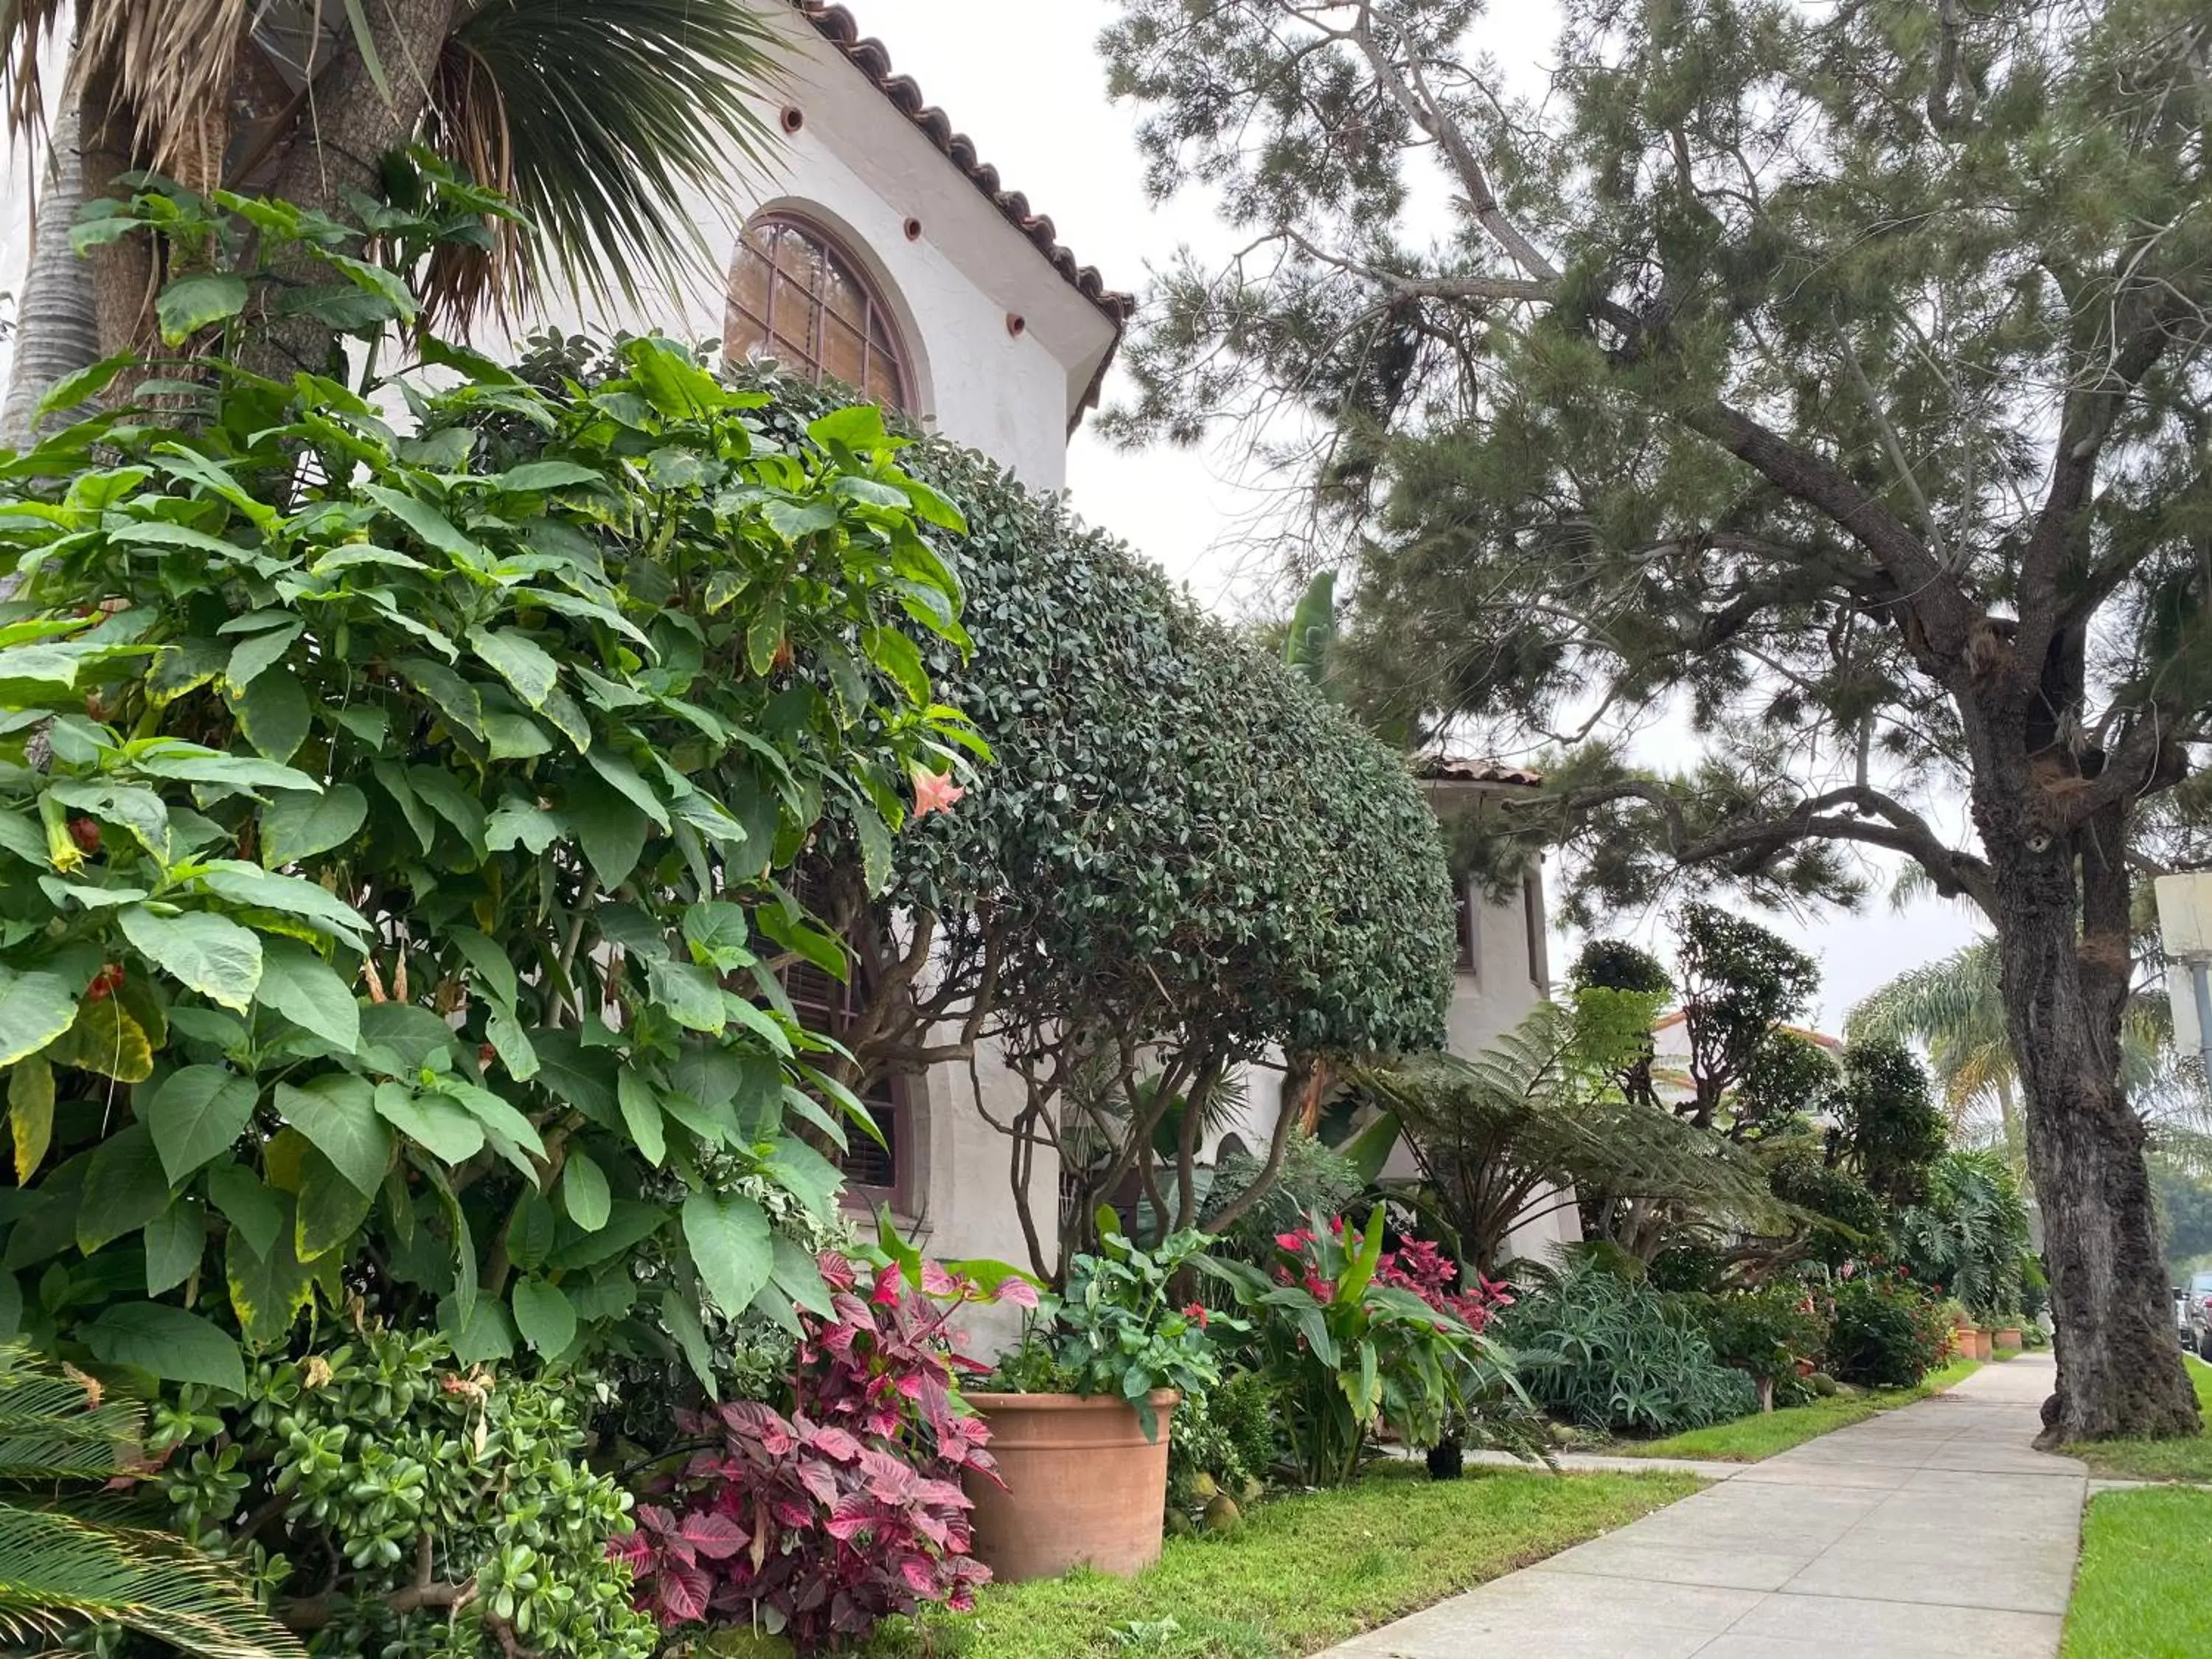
[(1890, 1330), (63, 1563), (1612, 965), (1224, 1437), (1598, 1346), (1497, 1135), (1118, 1330), (511, 724), (1971, 1234), (1846, 1219), (1313, 1179), (1346, 1354), (1892, 1133), (1764, 1332), (396, 1503), (1159, 846)]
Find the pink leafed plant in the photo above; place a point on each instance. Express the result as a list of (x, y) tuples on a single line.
[(847, 1510)]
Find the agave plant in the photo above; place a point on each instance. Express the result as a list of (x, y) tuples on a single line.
[(62, 1564), (593, 115)]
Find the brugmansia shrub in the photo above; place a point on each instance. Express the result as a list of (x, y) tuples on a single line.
[(389, 866), (395, 840), (1595, 1345), (432, 1505)]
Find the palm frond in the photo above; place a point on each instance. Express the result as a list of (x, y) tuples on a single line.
[(171, 63), (600, 118), (63, 1565), (56, 1569)]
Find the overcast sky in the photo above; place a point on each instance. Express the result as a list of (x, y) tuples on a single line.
[(1024, 79)]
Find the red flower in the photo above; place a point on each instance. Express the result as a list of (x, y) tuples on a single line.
[(86, 834), (1197, 1310)]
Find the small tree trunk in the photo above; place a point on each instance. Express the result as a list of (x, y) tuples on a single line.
[(57, 325), (2120, 1361)]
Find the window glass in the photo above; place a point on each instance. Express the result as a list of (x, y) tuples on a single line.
[(795, 296)]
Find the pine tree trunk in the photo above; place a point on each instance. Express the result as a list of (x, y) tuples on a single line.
[(2065, 976), (57, 325)]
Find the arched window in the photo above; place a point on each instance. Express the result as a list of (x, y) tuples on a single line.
[(796, 297)]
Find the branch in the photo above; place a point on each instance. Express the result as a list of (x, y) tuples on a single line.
[(1891, 826)]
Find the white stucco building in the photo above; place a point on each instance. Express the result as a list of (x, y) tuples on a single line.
[(877, 248)]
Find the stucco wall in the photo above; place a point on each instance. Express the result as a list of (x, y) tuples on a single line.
[(859, 168)]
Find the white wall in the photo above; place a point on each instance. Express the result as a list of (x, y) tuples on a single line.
[(862, 169)]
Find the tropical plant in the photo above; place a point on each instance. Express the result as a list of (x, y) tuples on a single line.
[(63, 1564), (392, 832), (1527, 1124), (1889, 1133), (1119, 1329), (1309, 1177), (1970, 1233), (1347, 1352), (1891, 1329), (389, 1500), (819, 1523), (1595, 1344), (599, 121), (1568, 431)]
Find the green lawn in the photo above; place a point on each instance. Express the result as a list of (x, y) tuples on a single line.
[(1749, 1439), (2144, 1587), (1302, 1572), (2157, 1460)]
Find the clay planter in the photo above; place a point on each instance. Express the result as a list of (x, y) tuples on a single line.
[(2008, 1336), (1973, 1343), (1084, 1486)]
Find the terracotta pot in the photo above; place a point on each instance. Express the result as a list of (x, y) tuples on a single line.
[(1084, 1486), (1974, 1344), (2008, 1336)]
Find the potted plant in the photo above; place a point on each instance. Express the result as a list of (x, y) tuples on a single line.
[(1080, 1422), (2007, 1333)]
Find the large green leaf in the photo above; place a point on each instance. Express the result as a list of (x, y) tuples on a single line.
[(174, 1346), (545, 1316), (611, 830), (518, 659), (584, 1192), (295, 826), (176, 1240), (35, 1010), (196, 1115), (454, 1134), (124, 1188), (193, 303), (689, 995), (307, 990), (338, 1113), (106, 1039), (268, 1290), (253, 1208), (208, 954), (729, 1237)]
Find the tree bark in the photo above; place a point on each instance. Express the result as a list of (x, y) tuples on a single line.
[(2120, 1362), (57, 325), (348, 126)]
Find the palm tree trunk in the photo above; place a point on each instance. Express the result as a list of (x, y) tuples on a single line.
[(57, 325)]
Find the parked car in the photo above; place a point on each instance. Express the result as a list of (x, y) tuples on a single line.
[(2188, 1320), (2199, 1337)]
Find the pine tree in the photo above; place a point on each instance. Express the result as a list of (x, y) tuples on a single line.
[(1837, 376)]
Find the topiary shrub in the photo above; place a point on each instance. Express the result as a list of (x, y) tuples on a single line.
[(1601, 1348), (1768, 1333)]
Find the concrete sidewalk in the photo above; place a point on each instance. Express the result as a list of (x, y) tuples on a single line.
[(1930, 1530)]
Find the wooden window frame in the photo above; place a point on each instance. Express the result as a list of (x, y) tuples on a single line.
[(876, 313)]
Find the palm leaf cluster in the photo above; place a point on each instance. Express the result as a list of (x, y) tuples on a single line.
[(1501, 1137), (62, 1564), (604, 120)]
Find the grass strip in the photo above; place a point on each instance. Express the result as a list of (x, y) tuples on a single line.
[(1301, 1573), (2157, 1460), (2142, 1590), (1749, 1439)]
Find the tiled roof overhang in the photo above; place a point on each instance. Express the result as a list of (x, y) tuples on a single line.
[(838, 27)]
